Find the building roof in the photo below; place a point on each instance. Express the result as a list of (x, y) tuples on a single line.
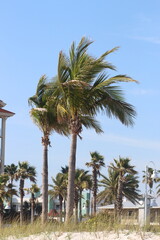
[(126, 205), (5, 113), (53, 213), (129, 205)]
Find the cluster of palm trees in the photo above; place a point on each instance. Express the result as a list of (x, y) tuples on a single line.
[(59, 189), (20, 172), (71, 101), (122, 181)]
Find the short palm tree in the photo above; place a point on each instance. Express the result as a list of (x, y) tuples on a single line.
[(81, 90), (64, 171), (33, 190), (122, 167), (110, 184), (82, 181), (45, 118), (6, 191), (97, 161), (24, 171), (58, 190), (11, 171), (150, 180)]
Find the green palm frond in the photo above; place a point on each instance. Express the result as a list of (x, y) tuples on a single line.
[(90, 122)]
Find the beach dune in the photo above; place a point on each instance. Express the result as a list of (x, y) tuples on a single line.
[(119, 235)]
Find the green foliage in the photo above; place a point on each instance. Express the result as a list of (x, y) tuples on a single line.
[(97, 161), (11, 170), (122, 181), (25, 171), (6, 189)]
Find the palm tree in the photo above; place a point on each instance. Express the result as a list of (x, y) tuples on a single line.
[(32, 190), (45, 118), (6, 191), (110, 184), (97, 161), (64, 171), (150, 180), (58, 190), (24, 171), (11, 171), (82, 89), (82, 181), (122, 167)]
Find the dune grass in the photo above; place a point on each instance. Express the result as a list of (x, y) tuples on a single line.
[(94, 225)]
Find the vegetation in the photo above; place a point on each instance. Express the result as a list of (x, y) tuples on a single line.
[(24, 171), (101, 222), (125, 173), (97, 161), (11, 171), (110, 193), (82, 181), (59, 190), (80, 79), (33, 190), (59, 105), (6, 192), (46, 119)]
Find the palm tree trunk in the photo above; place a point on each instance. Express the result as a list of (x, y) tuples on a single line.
[(45, 142), (11, 201), (94, 191), (71, 177), (119, 199), (80, 206), (64, 206), (21, 200), (32, 208), (1, 213), (115, 210), (60, 206), (76, 205)]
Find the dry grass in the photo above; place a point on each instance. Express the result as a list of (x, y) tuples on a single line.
[(99, 223)]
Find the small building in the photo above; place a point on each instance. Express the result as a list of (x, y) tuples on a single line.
[(134, 213)]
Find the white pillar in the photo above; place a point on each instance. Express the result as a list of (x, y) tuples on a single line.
[(3, 128)]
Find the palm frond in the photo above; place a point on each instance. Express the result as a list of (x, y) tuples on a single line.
[(90, 122)]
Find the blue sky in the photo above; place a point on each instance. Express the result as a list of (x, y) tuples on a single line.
[(32, 33)]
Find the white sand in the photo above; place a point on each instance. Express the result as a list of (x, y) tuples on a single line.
[(125, 235)]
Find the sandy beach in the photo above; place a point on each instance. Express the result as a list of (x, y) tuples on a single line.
[(125, 235)]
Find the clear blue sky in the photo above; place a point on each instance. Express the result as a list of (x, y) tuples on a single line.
[(31, 35)]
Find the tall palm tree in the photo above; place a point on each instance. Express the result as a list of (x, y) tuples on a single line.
[(24, 171), (45, 118), (82, 181), (33, 190), (82, 89), (6, 191), (122, 167), (110, 184), (11, 171), (58, 190), (97, 161)]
